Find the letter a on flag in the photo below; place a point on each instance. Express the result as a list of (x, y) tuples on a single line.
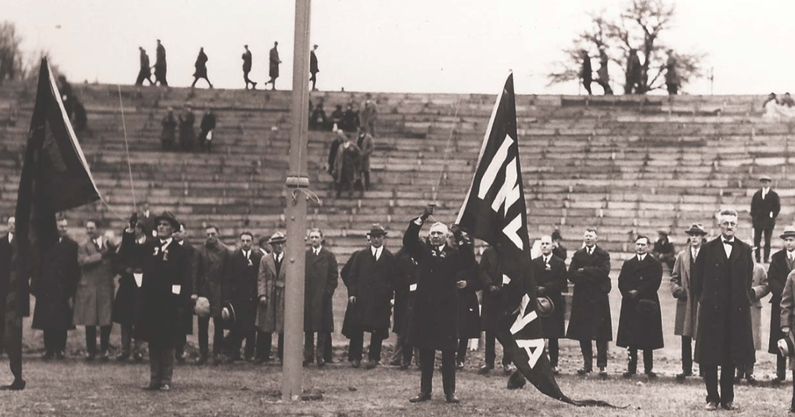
[(494, 210)]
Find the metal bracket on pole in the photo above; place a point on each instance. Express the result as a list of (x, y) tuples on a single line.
[(300, 184)]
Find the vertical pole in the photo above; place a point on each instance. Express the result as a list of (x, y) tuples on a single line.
[(296, 210)]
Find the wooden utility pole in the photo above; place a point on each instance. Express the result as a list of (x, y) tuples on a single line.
[(297, 179)]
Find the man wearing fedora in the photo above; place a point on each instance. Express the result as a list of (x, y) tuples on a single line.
[(270, 292), (685, 322), (370, 282), (211, 261), (550, 274), (165, 290), (721, 281), (320, 284), (765, 207), (240, 289), (640, 322), (782, 263)]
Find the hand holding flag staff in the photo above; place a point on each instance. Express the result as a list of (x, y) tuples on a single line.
[(494, 210)]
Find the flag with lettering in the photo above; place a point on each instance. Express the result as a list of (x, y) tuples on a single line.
[(494, 210)]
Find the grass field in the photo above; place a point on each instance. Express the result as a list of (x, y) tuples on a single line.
[(76, 388)]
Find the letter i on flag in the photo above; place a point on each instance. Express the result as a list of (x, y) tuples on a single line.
[(494, 210)]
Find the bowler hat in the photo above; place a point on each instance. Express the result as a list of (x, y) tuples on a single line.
[(228, 314), (544, 306), (789, 231), (377, 230), (202, 307), (277, 237), (169, 217), (765, 178), (696, 229)]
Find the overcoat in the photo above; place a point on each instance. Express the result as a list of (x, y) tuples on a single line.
[(490, 275), (186, 312), (346, 163), (211, 263), (165, 291), (14, 292), (313, 68), (241, 287), (319, 286), (246, 61), (94, 296), (55, 285), (468, 307), (404, 295), (371, 281), (761, 289), (554, 282), (270, 317), (273, 60), (434, 322), (787, 318), (168, 134), (186, 133), (764, 211), (776, 279), (686, 320), (722, 287), (590, 306), (201, 65), (365, 144), (207, 124), (128, 296), (640, 323)]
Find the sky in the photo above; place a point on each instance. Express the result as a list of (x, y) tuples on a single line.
[(428, 46)]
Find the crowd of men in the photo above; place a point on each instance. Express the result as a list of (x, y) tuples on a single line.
[(181, 127)]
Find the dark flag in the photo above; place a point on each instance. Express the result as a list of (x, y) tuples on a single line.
[(494, 210), (55, 177)]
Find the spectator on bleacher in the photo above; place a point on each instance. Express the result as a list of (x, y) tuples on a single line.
[(776, 111), (640, 322), (339, 139), (672, 80), (557, 247), (207, 130), (201, 68), (686, 304), (346, 165), (54, 289), (313, 68), (240, 289), (603, 74), (186, 133), (490, 315), (781, 264), (273, 66), (765, 206), (321, 282), (211, 263), (247, 68), (550, 274), (365, 144), (146, 220), (350, 119), (270, 290), (590, 306), (67, 96), (761, 289), (144, 73), (336, 117), (664, 250), (128, 296), (185, 313), (160, 65), (80, 119), (586, 72), (168, 132), (787, 100), (633, 73), (317, 121), (369, 114)]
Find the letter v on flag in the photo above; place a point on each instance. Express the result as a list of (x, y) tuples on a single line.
[(494, 210)]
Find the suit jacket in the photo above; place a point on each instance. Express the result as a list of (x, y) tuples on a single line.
[(590, 305), (94, 296), (270, 316), (723, 289), (554, 282), (320, 284), (55, 285), (209, 277), (14, 291), (776, 279), (241, 287), (764, 212), (365, 143), (686, 320), (640, 323)]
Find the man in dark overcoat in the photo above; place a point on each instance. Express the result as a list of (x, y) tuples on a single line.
[(168, 130), (434, 323), (313, 68), (186, 313), (211, 263), (590, 306), (765, 206), (206, 130), (54, 287), (640, 322), (186, 133), (468, 283), (14, 305), (782, 263), (201, 68), (721, 281), (128, 296), (370, 281), (240, 289), (165, 289), (405, 288), (321, 282), (144, 73), (247, 68), (491, 278), (586, 72), (664, 249), (273, 66), (686, 320), (160, 65), (550, 274)]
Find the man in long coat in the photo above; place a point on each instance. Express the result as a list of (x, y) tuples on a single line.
[(270, 290), (186, 312), (128, 297), (160, 65), (211, 263), (365, 144), (590, 306), (321, 281), (370, 282), (273, 66), (186, 133), (240, 289), (550, 275), (434, 323), (686, 321), (468, 283), (14, 299), (640, 323), (201, 68), (781, 265), (346, 166), (168, 131), (313, 68), (672, 79), (54, 288), (586, 72), (721, 281), (165, 290), (765, 206), (369, 114), (94, 296), (492, 283), (405, 289), (247, 68), (144, 73)]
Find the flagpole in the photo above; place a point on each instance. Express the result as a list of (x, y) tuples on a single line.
[(297, 182)]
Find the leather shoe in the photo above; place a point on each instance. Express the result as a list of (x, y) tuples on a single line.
[(451, 398), (628, 374), (165, 388), (59, 355), (356, 363), (485, 369), (555, 370), (423, 396), (371, 364), (651, 374), (151, 387), (47, 355), (17, 385), (729, 406), (583, 371), (777, 380), (123, 357), (321, 363), (711, 406), (682, 376)]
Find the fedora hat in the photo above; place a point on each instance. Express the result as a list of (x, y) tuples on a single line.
[(696, 229), (544, 306), (789, 231), (786, 346), (228, 314), (169, 217), (277, 237), (202, 307), (377, 230)]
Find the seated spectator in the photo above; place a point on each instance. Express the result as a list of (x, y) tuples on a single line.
[(206, 130), (775, 111), (350, 119), (169, 133), (318, 119), (664, 250), (336, 117)]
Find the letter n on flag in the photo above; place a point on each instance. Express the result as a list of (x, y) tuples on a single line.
[(494, 210), (55, 177)]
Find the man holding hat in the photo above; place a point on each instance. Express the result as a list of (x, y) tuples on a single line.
[(270, 292), (550, 275), (370, 282), (782, 263), (765, 207), (211, 261), (686, 305), (165, 291)]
